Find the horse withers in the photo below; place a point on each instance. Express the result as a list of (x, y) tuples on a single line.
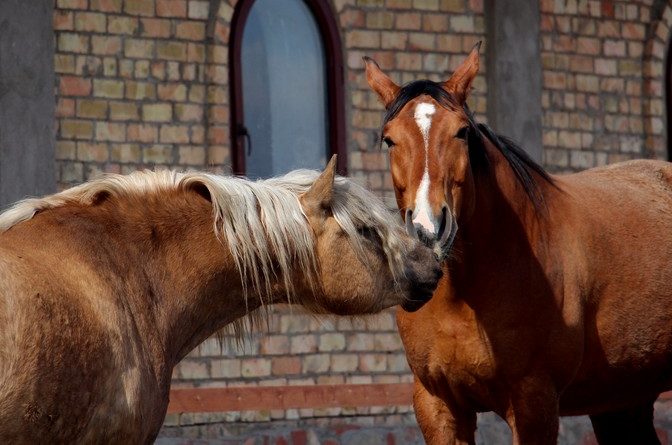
[(106, 286), (556, 297)]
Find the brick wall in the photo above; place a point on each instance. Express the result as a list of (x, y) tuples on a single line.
[(137, 87), (144, 83), (602, 88), (300, 349)]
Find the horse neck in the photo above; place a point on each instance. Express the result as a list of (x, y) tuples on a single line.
[(504, 217), (190, 276)]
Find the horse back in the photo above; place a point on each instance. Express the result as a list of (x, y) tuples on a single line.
[(645, 185)]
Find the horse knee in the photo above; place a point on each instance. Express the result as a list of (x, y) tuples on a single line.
[(441, 424), (534, 415)]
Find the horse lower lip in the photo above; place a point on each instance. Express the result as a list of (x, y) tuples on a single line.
[(428, 240)]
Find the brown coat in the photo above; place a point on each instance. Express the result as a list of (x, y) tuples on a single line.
[(557, 290)]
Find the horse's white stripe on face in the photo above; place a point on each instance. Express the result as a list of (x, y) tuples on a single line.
[(423, 117), (423, 210)]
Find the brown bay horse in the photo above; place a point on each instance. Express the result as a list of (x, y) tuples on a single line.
[(106, 286), (556, 297)]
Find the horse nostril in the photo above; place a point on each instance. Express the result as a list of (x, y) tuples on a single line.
[(410, 228), (444, 220)]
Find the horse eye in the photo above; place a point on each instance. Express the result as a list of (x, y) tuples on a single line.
[(462, 133), (369, 233), (387, 143)]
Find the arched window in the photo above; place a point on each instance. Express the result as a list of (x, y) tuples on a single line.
[(286, 87)]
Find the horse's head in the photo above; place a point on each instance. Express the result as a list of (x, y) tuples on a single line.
[(426, 129), (365, 261)]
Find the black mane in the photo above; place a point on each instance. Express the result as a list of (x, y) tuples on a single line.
[(522, 165)]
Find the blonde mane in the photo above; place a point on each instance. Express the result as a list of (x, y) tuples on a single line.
[(261, 222)]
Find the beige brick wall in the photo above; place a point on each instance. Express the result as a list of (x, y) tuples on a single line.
[(600, 104), (301, 349), (137, 88)]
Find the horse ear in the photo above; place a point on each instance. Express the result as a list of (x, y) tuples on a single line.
[(379, 82), (321, 193), (460, 82)]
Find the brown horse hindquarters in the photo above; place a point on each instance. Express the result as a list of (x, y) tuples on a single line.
[(626, 240)]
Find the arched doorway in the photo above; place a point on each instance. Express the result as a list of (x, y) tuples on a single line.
[(286, 87)]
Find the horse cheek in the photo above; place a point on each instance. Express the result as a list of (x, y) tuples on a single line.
[(343, 282)]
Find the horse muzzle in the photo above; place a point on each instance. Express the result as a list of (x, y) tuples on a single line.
[(423, 271), (424, 229)]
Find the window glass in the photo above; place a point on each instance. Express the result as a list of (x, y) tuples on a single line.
[(284, 89)]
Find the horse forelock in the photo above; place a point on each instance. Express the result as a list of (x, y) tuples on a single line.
[(277, 238), (418, 88)]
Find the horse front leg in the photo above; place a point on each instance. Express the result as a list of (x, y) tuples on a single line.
[(533, 414), (630, 425), (439, 423)]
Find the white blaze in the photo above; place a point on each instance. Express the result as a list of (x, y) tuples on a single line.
[(423, 117), (423, 211)]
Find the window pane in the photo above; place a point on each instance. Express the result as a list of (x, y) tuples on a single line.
[(284, 88)]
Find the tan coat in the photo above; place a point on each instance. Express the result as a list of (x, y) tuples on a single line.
[(110, 284)]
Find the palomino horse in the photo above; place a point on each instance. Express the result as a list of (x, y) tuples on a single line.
[(556, 297), (106, 286)]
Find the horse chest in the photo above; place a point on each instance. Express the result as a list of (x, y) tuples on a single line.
[(449, 354)]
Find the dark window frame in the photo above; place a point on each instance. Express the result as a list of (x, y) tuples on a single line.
[(329, 31)]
